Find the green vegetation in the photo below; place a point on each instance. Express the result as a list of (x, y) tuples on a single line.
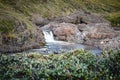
[(80, 65), (114, 18), (52, 8), (77, 65), (6, 26)]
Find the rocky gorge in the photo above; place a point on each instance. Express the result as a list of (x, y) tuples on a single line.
[(80, 28), (84, 28)]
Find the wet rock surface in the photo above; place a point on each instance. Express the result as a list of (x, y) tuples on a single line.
[(67, 32), (81, 27), (113, 43), (86, 28)]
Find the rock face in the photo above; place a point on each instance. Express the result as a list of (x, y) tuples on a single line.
[(81, 27), (21, 39), (75, 18), (68, 32), (81, 17), (101, 31), (113, 43), (86, 28), (101, 35), (65, 32)]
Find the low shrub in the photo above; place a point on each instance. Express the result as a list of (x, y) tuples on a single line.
[(77, 65)]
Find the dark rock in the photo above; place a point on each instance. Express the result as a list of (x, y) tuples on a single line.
[(82, 27)]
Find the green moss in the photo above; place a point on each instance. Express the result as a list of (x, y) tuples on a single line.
[(6, 26), (114, 18)]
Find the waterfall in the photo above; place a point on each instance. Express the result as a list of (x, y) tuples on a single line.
[(48, 36), (56, 46)]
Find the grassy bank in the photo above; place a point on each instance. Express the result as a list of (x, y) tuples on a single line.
[(114, 18), (77, 65), (16, 9)]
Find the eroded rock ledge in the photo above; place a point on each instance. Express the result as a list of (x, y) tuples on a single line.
[(81, 27), (21, 39), (86, 28)]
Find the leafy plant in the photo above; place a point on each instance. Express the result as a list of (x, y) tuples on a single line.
[(78, 65)]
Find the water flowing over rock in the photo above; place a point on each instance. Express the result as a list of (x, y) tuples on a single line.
[(81, 27), (65, 32), (68, 32), (48, 36), (86, 28)]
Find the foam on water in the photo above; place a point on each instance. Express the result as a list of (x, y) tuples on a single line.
[(48, 36)]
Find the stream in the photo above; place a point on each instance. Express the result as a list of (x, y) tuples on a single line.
[(54, 46)]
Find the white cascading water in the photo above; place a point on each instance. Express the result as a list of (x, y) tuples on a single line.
[(48, 36), (54, 46)]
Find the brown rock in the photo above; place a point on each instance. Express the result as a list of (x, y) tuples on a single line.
[(20, 41), (107, 44), (67, 32), (101, 31)]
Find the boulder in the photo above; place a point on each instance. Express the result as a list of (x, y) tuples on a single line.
[(108, 44), (67, 32), (101, 31), (64, 32), (96, 33)]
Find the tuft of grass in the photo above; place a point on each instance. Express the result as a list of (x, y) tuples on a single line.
[(22, 10), (114, 18), (6, 26)]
